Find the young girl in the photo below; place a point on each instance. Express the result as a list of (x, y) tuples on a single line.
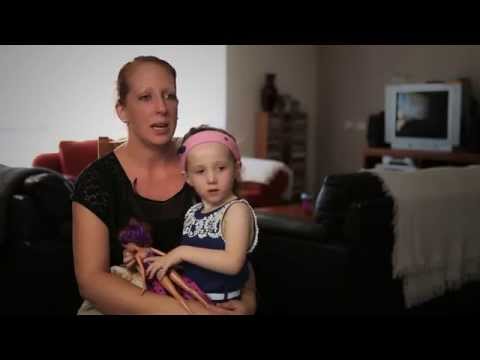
[(218, 232)]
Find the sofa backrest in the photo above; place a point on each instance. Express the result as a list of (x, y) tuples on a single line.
[(107, 145), (341, 196), (76, 156)]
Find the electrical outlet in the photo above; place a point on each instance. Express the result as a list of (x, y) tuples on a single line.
[(347, 125), (361, 126)]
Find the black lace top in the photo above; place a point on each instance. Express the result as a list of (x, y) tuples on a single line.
[(104, 188)]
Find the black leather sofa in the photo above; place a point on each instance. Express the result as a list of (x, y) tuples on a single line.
[(340, 265), (36, 262)]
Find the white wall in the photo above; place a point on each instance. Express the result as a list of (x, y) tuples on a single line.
[(296, 67), (53, 93), (352, 83)]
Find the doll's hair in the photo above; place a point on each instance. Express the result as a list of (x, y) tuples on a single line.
[(136, 232)]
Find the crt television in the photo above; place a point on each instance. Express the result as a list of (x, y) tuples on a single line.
[(423, 116)]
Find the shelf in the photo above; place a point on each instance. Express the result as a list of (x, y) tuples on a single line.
[(422, 158), (283, 138)]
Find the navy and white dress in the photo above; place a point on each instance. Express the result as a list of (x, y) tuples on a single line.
[(205, 231)]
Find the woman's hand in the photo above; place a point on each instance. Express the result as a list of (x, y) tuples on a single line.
[(129, 252), (247, 305), (232, 307), (128, 258)]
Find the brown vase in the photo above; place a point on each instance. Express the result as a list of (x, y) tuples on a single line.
[(269, 93)]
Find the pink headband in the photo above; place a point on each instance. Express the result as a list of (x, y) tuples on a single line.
[(208, 136)]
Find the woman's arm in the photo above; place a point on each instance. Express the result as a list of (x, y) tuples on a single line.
[(247, 305), (249, 294), (110, 294)]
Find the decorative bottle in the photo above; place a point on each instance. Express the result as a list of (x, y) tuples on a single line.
[(269, 93)]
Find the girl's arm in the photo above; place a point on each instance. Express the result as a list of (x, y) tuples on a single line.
[(237, 229), (109, 293)]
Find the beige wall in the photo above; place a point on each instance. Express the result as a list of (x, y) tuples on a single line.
[(296, 67), (351, 87)]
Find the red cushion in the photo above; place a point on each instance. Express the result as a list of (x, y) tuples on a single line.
[(76, 155), (259, 195), (48, 160), (278, 184)]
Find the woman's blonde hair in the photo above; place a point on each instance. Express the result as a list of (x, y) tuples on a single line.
[(123, 87)]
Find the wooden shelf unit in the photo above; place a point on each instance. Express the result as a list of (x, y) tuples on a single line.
[(283, 137)]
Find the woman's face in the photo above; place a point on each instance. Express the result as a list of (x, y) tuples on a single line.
[(150, 108)]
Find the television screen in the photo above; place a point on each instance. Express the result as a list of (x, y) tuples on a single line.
[(422, 114)]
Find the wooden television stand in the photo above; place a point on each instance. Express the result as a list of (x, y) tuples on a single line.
[(421, 158)]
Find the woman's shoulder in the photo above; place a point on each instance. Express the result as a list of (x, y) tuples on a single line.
[(104, 167), (98, 177), (93, 188)]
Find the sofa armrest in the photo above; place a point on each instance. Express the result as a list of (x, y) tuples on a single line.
[(282, 225)]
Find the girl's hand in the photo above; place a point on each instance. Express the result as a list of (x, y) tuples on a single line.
[(159, 265)]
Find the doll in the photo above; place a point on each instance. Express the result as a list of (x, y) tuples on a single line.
[(137, 239)]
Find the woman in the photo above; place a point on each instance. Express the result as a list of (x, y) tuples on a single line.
[(142, 180)]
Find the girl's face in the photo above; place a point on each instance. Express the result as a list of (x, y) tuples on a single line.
[(211, 171), (150, 109)]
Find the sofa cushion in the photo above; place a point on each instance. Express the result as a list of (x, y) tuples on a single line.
[(49, 161), (77, 155)]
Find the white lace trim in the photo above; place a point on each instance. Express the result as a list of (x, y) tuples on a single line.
[(210, 225)]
